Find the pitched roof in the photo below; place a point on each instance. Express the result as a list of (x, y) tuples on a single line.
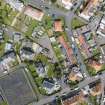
[(58, 25), (74, 100), (69, 50), (75, 75), (96, 65), (84, 45)]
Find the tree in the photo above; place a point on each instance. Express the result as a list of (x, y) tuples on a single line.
[(53, 1)]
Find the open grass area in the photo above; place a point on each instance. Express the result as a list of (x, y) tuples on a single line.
[(48, 22), (25, 24), (91, 70), (3, 103), (2, 49), (2, 45), (76, 23), (7, 14)]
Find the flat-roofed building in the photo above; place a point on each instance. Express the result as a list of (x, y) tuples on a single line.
[(67, 3), (15, 4), (35, 13)]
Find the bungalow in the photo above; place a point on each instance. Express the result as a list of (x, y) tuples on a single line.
[(34, 13), (58, 25), (84, 46), (50, 86)]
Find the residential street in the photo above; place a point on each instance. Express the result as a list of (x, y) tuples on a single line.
[(51, 9), (60, 47)]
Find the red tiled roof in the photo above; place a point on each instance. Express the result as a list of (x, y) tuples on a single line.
[(58, 25), (84, 44), (69, 50)]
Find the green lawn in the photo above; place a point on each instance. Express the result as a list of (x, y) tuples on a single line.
[(91, 70), (6, 13), (93, 99), (3, 103), (50, 70), (2, 49), (48, 22), (76, 23), (32, 24), (32, 69)]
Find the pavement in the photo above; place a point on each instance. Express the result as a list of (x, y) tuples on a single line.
[(53, 10)]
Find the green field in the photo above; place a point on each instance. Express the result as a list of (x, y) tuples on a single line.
[(76, 23), (7, 14)]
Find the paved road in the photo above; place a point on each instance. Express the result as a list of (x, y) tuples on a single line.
[(66, 90), (51, 9)]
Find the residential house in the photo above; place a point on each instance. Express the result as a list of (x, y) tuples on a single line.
[(67, 4), (73, 98), (7, 61), (15, 4), (89, 9), (8, 46), (101, 28), (84, 45), (17, 37), (50, 86), (58, 25), (86, 41), (29, 50), (95, 88), (69, 51), (41, 69), (75, 75), (96, 65), (34, 13)]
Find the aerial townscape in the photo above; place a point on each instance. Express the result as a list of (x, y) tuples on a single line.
[(52, 52)]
